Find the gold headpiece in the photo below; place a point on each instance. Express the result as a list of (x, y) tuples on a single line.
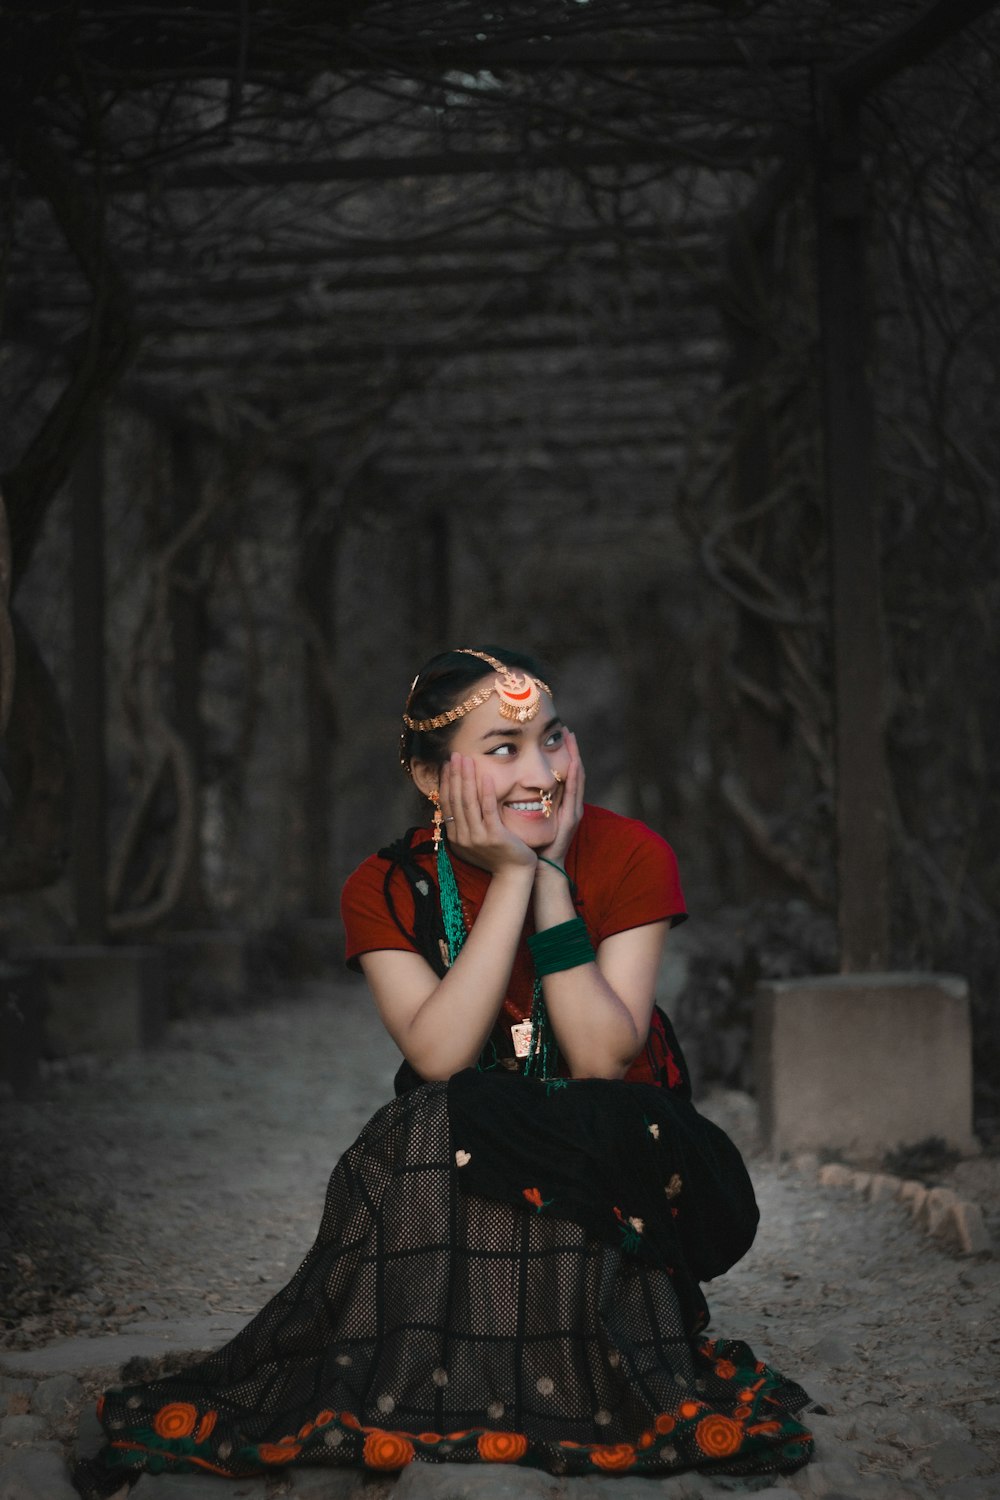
[(519, 694)]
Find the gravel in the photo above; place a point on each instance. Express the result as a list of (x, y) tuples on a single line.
[(153, 1203)]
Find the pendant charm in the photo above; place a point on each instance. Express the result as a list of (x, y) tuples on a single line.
[(546, 799), (520, 1034)]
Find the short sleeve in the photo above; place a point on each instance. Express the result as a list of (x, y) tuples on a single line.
[(645, 886), (368, 920)]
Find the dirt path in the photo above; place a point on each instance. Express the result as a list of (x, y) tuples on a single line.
[(161, 1200)]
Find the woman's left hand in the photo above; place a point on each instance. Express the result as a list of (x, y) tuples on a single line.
[(570, 809)]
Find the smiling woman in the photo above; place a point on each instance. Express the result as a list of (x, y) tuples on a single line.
[(509, 1263)]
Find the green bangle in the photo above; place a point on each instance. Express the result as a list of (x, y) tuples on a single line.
[(556, 867), (563, 947)]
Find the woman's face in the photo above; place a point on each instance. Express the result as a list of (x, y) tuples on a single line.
[(520, 760)]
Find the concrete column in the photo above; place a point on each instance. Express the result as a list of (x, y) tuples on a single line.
[(859, 729)]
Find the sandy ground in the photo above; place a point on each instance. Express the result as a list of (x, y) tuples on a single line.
[(153, 1204)]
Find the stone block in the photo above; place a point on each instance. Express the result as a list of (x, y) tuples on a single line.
[(198, 1487), (914, 1195), (882, 1188), (22, 1025), (101, 1000), (938, 1212), (57, 1399), (842, 1062), (22, 1428), (34, 1474), (970, 1230), (474, 1482), (325, 1484), (208, 972)]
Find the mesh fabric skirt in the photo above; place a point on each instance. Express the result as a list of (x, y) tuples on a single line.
[(505, 1271)]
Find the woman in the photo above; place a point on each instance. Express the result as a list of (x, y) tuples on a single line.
[(509, 1260)]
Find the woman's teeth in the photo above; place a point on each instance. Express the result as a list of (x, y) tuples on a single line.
[(525, 806)]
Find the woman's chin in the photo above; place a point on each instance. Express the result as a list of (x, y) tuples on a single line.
[(533, 828)]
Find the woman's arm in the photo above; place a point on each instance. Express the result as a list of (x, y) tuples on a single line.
[(600, 1012), (441, 1025)]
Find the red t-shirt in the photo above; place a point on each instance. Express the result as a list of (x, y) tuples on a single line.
[(625, 876)]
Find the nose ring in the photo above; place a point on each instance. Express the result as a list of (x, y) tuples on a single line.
[(546, 800), (559, 778)]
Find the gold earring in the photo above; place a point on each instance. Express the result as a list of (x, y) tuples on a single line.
[(559, 778), (438, 819)]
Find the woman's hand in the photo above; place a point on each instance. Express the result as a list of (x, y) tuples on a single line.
[(477, 832), (570, 809)]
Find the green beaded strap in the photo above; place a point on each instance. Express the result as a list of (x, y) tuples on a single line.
[(563, 947)]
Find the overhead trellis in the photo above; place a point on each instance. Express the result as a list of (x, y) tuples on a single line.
[(299, 206), (527, 240)]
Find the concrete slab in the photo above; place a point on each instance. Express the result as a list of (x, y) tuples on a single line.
[(146, 1340), (863, 1063), (101, 1000)]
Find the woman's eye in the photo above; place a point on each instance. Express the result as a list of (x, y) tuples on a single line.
[(504, 750), (555, 738)]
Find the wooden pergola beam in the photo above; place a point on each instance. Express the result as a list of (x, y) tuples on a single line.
[(693, 237), (249, 289), (732, 151), (600, 53), (909, 44)]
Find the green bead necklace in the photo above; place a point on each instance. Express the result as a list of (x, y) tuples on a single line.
[(542, 1060)]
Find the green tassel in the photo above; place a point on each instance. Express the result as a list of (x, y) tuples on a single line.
[(451, 903)]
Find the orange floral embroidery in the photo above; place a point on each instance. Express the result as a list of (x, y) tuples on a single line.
[(278, 1453), (206, 1426), (725, 1369), (665, 1422), (534, 1196), (613, 1456), (647, 1440), (502, 1447), (690, 1408), (325, 1418), (306, 1429), (429, 1437), (100, 1407), (765, 1427), (743, 1412), (718, 1436), (386, 1450), (175, 1420), (348, 1419)]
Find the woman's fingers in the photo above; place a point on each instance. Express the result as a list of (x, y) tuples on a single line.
[(488, 802)]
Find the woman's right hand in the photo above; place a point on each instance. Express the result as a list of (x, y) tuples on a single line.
[(476, 830)]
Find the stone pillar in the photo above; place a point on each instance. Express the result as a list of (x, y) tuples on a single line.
[(863, 1063)]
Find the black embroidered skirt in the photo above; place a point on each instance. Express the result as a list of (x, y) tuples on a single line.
[(506, 1271)]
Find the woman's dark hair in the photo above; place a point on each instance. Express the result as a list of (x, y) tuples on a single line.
[(447, 679)]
